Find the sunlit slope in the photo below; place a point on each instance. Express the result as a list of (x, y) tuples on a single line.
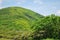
[(17, 19), (17, 16), (18, 12)]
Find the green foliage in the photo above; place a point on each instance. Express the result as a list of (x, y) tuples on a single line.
[(48, 27), (17, 23)]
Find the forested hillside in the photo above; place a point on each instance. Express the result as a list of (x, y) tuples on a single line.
[(17, 23)]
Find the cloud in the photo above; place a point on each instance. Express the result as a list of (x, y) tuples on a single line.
[(20, 1), (1, 3), (37, 2), (57, 12)]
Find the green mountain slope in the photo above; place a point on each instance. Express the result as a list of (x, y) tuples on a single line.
[(16, 20), (20, 13), (14, 16)]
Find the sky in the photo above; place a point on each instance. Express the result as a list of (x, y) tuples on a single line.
[(43, 7)]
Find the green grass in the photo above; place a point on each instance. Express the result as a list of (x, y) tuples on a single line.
[(50, 39), (4, 39), (23, 24), (16, 21)]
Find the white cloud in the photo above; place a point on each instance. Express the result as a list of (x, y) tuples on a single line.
[(20, 1), (57, 12), (0, 4), (38, 2), (0, 1)]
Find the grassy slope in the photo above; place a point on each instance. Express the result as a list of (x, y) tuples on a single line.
[(16, 20)]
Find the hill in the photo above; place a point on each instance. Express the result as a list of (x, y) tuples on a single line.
[(16, 21)]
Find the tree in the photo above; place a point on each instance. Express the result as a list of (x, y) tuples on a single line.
[(50, 25)]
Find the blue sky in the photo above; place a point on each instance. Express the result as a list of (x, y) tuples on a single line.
[(44, 7)]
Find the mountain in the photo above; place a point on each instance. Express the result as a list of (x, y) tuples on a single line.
[(16, 19), (20, 13)]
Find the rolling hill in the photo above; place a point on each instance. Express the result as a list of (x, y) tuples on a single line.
[(16, 20)]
